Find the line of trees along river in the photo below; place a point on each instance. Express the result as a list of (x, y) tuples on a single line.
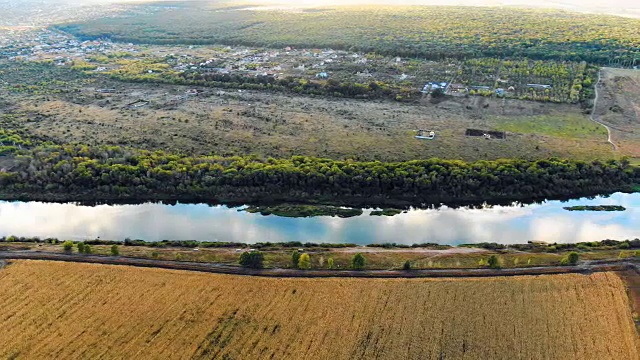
[(77, 173)]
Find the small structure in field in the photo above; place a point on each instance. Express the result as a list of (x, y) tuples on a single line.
[(137, 104), (486, 134), (106, 91), (426, 135), (322, 75)]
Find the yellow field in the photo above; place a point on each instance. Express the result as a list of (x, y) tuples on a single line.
[(68, 311)]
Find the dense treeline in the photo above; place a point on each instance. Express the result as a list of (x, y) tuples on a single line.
[(103, 173), (431, 32)]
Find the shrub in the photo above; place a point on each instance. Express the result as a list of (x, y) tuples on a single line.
[(358, 262), (407, 265), (253, 259), (573, 258), (304, 262), (493, 262), (330, 263), (295, 259), (68, 246), (155, 254), (114, 250), (87, 249), (81, 248)]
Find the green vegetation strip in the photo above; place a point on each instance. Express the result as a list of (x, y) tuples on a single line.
[(595, 208), (79, 173), (304, 211)]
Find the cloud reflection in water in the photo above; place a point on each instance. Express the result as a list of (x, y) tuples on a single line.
[(152, 222)]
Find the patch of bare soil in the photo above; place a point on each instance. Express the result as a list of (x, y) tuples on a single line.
[(619, 108)]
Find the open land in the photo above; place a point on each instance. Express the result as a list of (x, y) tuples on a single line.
[(194, 315), (619, 107)]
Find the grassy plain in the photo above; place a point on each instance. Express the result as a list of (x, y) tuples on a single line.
[(95, 311), (63, 107)]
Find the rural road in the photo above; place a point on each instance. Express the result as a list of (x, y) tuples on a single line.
[(595, 266), (593, 113)]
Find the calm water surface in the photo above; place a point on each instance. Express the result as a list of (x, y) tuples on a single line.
[(153, 222)]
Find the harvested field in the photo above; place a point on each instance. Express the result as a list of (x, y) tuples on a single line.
[(68, 311)]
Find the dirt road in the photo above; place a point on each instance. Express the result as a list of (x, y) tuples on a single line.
[(593, 113), (587, 267)]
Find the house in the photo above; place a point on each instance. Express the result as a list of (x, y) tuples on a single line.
[(106, 91), (433, 86), (322, 75), (500, 92), (479, 87), (458, 88), (192, 92), (511, 89), (539, 86)]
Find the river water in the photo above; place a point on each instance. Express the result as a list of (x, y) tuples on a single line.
[(153, 222)]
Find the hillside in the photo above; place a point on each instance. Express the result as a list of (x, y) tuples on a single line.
[(94, 311)]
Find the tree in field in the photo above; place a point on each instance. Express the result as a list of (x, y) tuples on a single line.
[(253, 259), (87, 249), (407, 265), (81, 248), (304, 262), (573, 258), (493, 262), (330, 263), (357, 262), (114, 250), (68, 246), (295, 258)]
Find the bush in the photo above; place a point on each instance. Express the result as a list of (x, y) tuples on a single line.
[(253, 259), (493, 262), (68, 246), (81, 247), (573, 258), (407, 265), (358, 262), (295, 258), (87, 249), (114, 250), (304, 262), (330, 263)]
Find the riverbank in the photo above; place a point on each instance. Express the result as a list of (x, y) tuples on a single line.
[(585, 268), (338, 257), (101, 174)]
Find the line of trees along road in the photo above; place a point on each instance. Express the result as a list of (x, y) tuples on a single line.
[(75, 173)]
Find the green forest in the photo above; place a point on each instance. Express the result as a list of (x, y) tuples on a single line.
[(78, 173), (433, 33)]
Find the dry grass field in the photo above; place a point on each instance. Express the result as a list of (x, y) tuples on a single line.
[(71, 311), (619, 108)]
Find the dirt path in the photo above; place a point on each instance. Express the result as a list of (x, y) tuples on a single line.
[(593, 113), (587, 267)]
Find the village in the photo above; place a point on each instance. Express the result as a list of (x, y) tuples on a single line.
[(526, 80)]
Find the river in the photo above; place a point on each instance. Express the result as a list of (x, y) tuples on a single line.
[(154, 221)]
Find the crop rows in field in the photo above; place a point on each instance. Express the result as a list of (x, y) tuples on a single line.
[(96, 311)]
